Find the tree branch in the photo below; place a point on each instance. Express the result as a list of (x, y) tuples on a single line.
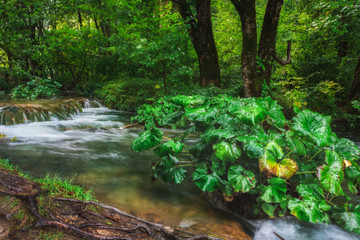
[(288, 58)]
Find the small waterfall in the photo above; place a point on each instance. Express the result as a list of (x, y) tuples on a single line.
[(44, 110)]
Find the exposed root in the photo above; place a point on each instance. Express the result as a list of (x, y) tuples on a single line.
[(84, 219)]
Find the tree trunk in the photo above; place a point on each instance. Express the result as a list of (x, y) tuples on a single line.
[(202, 38), (80, 18), (247, 12), (267, 44), (355, 88)]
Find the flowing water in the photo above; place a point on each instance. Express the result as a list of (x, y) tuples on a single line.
[(93, 149)]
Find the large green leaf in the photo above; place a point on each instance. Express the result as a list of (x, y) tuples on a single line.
[(240, 179), (310, 191), (269, 209), (216, 135), (250, 114), (253, 149), (168, 172), (313, 125), (207, 182), (275, 191), (268, 164), (331, 177), (218, 166), (273, 110), (307, 210), (252, 143), (332, 157), (349, 220), (227, 152), (147, 139), (184, 101), (170, 147), (295, 144), (347, 149), (201, 114)]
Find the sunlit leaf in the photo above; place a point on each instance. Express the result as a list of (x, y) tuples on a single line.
[(268, 164)]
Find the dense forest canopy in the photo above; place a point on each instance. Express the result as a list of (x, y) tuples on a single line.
[(244, 47)]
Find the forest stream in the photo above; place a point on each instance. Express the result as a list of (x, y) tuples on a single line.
[(93, 149)]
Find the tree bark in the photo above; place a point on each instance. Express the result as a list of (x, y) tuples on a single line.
[(202, 38), (247, 12), (267, 44), (355, 88), (80, 18)]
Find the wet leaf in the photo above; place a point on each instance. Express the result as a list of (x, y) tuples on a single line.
[(202, 114), (250, 114), (310, 191), (205, 181), (168, 172), (273, 110), (184, 101), (331, 178), (216, 135), (170, 147), (313, 125), (297, 145), (347, 149), (349, 220), (307, 210), (240, 179), (227, 152), (332, 157), (269, 209), (275, 191), (147, 139)]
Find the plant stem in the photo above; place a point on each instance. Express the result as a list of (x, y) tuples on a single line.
[(315, 154), (185, 165), (293, 148), (305, 172), (330, 203)]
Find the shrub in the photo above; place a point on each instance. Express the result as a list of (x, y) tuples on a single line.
[(247, 149), (37, 88), (128, 93)]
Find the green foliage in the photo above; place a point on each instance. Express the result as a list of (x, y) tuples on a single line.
[(37, 88), (128, 93), (247, 147), (146, 140)]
